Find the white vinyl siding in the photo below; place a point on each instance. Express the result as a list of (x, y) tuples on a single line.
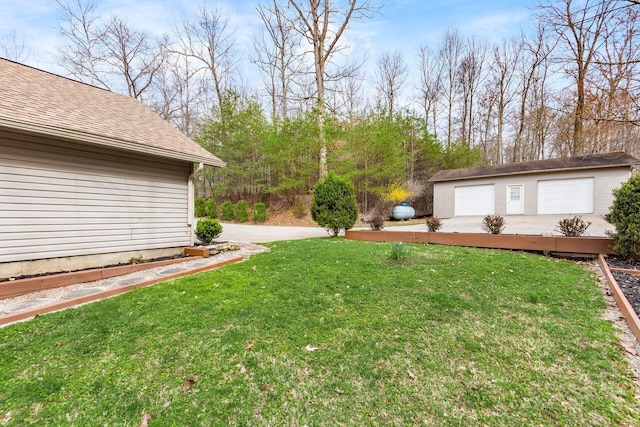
[(475, 200), (60, 199), (566, 196)]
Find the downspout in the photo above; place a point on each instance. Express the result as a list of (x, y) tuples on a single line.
[(190, 201)]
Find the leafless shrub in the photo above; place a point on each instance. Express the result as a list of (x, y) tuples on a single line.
[(493, 224), (574, 226)]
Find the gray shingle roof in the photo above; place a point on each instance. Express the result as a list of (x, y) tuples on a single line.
[(37, 101), (571, 163)]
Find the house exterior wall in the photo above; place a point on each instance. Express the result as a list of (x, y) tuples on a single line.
[(605, 180), (62, 199)]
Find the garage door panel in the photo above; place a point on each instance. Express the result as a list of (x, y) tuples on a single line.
[(565, 196), (474, 200)]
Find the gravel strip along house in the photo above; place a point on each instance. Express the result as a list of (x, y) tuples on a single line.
[(88, 177)]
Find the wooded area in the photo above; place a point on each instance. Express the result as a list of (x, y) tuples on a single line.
[(568, 86)]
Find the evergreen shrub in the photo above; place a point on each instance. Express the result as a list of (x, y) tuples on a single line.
[(199, 207), (334, 204), (227, 211), (242, 211), (211, 209), (624, 213), (259, 212), (207, 230)]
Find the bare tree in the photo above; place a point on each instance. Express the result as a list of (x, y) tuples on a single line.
[(470, 76), (505, 58), (134, 56), (450, 55), (348, 98), (13, 47), (277, 55), (430, 86), (531, 70), (391, 76), (322, 23), (179, 94), (580, 27), (209, 40), (82, 51)]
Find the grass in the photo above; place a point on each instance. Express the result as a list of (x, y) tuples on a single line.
[(331, 332)]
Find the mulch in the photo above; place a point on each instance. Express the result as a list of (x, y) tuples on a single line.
[(629, 283)]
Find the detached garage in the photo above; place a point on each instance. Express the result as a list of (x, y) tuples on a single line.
[(577, 185)]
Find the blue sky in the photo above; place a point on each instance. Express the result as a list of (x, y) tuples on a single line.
[(402, 25)]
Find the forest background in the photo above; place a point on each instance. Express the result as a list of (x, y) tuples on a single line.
[(566, 86)]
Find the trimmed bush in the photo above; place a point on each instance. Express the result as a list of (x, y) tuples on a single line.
[(493, 224), (211, 209), (572, 227), (199, 207), (242, 211), (207, 230), (259, 212), (334, 204), (227, 211), (624, 213)]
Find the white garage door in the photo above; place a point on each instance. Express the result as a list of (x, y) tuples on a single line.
[(565, 196), (475, 200)]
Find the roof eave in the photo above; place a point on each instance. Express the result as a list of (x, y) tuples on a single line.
[(528, 172), (68, 134)]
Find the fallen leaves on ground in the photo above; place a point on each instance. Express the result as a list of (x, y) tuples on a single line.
[(188, 384), (145, 418)]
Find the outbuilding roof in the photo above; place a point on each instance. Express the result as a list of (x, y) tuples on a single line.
[(594, 161), (33, 101)]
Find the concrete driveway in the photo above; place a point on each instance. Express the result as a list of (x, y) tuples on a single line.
[(543, 224), (251, 233), (516, 224)]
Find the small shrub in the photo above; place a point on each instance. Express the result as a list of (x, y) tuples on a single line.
[(493, 224), (572, 227), (259, 212), (299, 209), (624, 214), (227, 211), (376, 222), (199, 205), (207, 230), (334, 204), (211, 209), (242, 211), (433, 223), (399, 251)]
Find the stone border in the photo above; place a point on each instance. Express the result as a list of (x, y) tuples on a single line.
[(23, 315), (12, 288)]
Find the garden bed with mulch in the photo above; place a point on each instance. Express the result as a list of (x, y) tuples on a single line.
[(628, 281)]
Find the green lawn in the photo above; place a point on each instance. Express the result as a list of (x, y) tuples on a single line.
[(330, 332)]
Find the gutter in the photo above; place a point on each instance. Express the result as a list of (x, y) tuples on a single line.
[(84, 137)]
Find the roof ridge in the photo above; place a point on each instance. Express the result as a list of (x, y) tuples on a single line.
[(59, 75)]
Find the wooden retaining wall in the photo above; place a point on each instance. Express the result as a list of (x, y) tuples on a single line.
[(559, 244)]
